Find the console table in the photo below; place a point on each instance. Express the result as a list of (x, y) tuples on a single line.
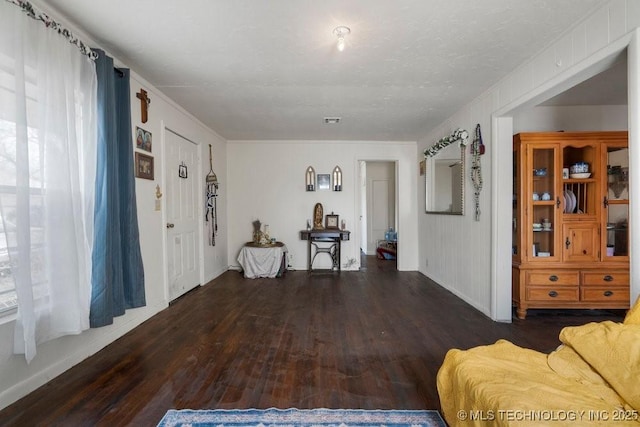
[(325, 235), (263, 261)]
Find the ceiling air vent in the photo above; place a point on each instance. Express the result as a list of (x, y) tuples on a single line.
[(332, 120)]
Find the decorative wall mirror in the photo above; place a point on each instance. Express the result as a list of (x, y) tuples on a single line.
[(444, 175)]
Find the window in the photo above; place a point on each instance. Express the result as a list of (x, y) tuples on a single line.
[(47, 180), (9, 248), (16, 163)]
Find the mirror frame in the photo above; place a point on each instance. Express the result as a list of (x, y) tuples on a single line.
[(429, 183), (460, 136)]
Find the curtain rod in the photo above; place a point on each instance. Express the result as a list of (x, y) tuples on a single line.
[(56, 26)]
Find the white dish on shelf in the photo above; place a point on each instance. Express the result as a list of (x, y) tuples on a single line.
[(544, 254), (580, 175), (573, 201), (568, 202)]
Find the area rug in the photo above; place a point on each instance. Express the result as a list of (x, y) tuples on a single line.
[(301, 418)]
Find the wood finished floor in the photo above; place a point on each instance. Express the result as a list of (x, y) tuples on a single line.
[(372, 340)]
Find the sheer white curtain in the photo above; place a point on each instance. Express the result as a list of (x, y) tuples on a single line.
[(47, 178)]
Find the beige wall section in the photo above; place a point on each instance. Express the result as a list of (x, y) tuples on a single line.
[(447, 243)]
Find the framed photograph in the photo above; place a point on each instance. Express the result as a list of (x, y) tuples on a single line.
[(324, 181), (331, 221), (423, 167), (143, 139), (144, 166), (182, 171)]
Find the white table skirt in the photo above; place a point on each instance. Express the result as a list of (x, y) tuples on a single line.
[(261, 262)]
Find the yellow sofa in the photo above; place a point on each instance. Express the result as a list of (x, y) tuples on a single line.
[(592, 379)]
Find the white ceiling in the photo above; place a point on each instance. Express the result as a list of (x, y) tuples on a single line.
[(259, 70)]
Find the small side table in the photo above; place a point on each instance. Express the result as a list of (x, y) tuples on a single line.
[(263, 261), (333, 236)]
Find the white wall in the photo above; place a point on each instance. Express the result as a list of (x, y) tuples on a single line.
[(571, 118), (483, 248), (266, 182), (16, 377)]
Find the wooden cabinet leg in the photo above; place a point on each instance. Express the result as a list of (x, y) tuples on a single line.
[(521, 312)]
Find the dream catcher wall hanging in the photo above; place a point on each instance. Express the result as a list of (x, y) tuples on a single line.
[(211, 213)]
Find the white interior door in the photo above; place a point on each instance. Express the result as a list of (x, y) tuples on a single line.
[(183, 245), (363, 206), (380, 210)]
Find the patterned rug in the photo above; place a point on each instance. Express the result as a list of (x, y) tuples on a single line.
[(301, 418)]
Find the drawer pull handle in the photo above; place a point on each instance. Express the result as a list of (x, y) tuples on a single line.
[(607, 293), (553, 278), (553, 294), (607, 278)]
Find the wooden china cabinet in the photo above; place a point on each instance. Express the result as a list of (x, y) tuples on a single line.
[(570, 233)]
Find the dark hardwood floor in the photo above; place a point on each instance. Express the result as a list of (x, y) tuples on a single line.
[(372, 340)]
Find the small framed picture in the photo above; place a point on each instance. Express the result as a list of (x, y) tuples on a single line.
[(423, 167), (144, 166), (143, 139), (182, 171), (324, 181), (331, 221)]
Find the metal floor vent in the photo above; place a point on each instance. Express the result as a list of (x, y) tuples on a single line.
[(332, 120)]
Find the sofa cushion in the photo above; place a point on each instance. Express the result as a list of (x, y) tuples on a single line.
[(613, 351)]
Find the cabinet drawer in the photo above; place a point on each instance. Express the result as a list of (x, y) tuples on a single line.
[(548, 293), (603, 293), (550, 277), (605, 278)]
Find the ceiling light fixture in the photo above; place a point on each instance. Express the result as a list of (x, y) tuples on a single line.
[(341, 32)]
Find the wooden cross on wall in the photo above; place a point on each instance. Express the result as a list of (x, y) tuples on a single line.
[(144, 104)]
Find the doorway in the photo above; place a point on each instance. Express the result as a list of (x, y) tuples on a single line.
[(181, 196), (571, 103), (378, 204)]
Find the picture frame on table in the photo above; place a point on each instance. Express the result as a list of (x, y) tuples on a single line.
[(331, 221), (144, 166)]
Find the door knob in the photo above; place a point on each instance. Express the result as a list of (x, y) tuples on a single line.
[(169, 225)]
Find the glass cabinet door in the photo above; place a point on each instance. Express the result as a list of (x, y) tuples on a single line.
[(616, 203), (580, 182), (544, 202), (515, 229)]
